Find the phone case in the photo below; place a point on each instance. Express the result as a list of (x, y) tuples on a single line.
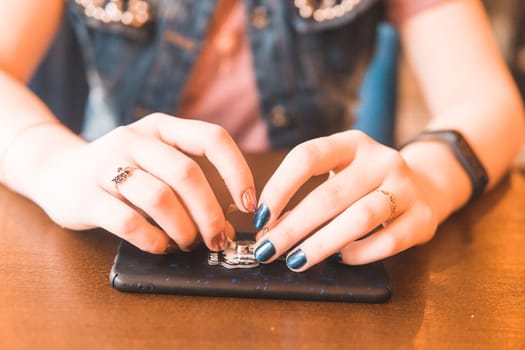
[(190, 274)]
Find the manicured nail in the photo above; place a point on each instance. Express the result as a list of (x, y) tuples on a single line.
[(296, 260), (264, 252), (249, 201), (172, 247), (220, 241), (261, 216)]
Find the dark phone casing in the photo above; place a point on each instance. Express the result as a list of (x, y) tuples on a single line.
[(189, 274)]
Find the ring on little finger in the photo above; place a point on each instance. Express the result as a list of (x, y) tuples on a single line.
[(391, 199)]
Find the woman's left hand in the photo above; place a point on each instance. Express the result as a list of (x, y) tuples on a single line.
[(370, 185)]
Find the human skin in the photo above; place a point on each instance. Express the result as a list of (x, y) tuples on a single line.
[(467, 87), (464, 81)]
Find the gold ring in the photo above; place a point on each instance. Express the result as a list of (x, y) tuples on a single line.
[(122, 174), (391, 199)]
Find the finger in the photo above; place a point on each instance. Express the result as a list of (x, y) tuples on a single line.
[(309, 159), (263, 233), (213, 142), (158, 200), (321, 205), (411, 228), (182, 174), (123, 221), (179, 172), (356, 221), (188, 181)]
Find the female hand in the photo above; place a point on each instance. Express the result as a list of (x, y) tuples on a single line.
[(370, 185), (158, 182)]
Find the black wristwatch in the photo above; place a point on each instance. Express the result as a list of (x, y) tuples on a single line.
[(463, 153)]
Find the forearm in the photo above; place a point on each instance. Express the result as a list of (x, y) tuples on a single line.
[(29, 136), (468, 88), (493, 130)]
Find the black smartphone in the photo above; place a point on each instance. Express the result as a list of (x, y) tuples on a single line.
[(191, 274)]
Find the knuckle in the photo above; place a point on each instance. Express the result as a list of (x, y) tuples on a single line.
[(359, 138), (393, 159), (331, 197), (186, 242), (215, 222), (290, 231), (155, 246), (359, 135), (128, 223), (122, 132), (389, 246), (321, 246), (217, 134), (305, 153), (366, 218), (352, 259), (187, 170), (152, 118), (425, 237), (148, 121), (157, 195)]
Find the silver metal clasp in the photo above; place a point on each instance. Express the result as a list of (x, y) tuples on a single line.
[(239, 252), (237, 255)]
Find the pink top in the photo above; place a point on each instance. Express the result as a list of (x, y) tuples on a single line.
[(222, 87)]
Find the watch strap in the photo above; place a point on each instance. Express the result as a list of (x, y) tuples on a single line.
[(463, 153)]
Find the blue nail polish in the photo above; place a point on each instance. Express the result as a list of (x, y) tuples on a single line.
[(264, 252), (296, 260), (261, 216)]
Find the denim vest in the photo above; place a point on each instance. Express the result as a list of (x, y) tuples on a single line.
[(307, 73)]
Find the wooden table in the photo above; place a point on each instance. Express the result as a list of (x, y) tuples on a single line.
[(465, 289)]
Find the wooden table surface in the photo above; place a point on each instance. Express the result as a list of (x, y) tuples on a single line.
[(464, 289)]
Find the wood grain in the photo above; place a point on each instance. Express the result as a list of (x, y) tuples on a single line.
[(464, 289)]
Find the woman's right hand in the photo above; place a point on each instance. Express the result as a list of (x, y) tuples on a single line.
[(164, 184)]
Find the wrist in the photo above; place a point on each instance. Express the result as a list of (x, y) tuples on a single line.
[(31, 151), (463, 153), (444, 183), (18, 134)]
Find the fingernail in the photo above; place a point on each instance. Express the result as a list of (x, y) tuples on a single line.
[(264, 252), (172, 247), (249, 201), (296, 260), (219, 242), (261, 216)]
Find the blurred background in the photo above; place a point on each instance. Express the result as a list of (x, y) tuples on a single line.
[(63, 70), (508, 23)]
